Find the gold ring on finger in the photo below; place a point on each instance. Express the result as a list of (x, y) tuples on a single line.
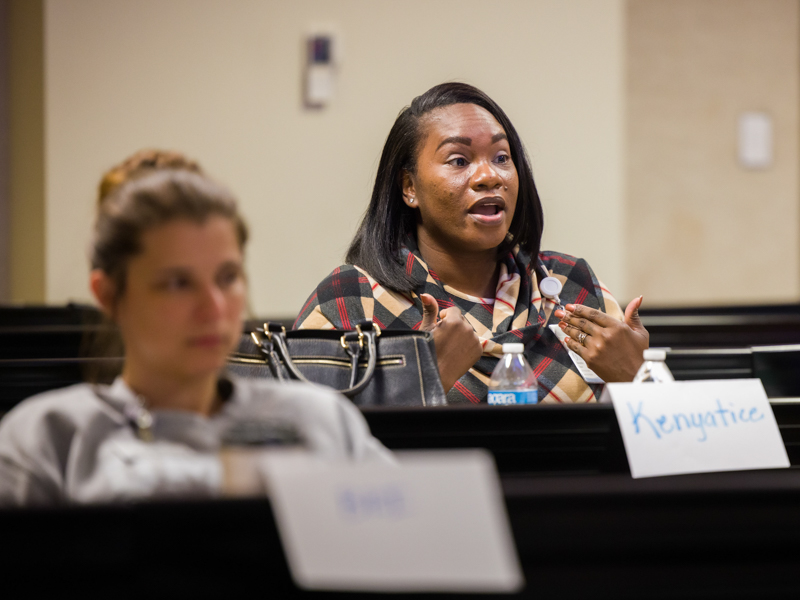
[(582, 338)]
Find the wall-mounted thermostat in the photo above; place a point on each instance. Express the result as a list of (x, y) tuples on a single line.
[(320, 70)]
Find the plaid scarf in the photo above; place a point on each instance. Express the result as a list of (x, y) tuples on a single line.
[(517, 313)]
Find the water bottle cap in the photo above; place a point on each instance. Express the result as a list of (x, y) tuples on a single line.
[(513, 348), (655, 354), (550, 287)]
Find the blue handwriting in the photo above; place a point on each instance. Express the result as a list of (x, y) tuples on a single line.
[(383, 502), (663, 425)]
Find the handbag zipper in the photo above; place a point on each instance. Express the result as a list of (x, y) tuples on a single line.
[(398, 361)]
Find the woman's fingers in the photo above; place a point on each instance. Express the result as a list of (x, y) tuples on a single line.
[(574, 324), (632, 319), (451, 314), (430, 312), (580, 337), (594, 315), (611, 348), (457, 346), (573, 345)]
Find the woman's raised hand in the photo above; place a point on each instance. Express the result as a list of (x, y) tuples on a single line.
[(612, 349), (457, 345)]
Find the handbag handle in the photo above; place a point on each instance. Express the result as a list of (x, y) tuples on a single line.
[(267, 351), (362, 338)]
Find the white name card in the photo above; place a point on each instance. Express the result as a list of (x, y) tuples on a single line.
[(435, 522), (696, 426)]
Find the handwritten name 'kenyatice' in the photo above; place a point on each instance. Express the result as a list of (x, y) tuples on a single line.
[(665, 424)]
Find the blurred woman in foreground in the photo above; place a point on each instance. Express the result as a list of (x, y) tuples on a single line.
[(167, 269)]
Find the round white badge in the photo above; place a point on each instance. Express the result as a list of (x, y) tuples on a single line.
[(550, 287)]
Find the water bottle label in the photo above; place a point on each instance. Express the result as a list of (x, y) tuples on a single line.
[(506, 397)]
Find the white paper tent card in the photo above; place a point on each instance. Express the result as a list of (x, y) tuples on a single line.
[(434, 522), (696, 426)]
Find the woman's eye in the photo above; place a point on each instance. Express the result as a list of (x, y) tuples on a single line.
[(176, 284), (458, 161), (228, 278), (503, 159)]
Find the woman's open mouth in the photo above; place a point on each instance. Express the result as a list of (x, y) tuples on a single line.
[(489, 211)]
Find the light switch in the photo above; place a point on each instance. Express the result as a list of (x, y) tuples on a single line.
[(755, 140)]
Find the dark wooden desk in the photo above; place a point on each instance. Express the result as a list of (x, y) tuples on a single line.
[(725, 535), (534, 440), (723, 326)]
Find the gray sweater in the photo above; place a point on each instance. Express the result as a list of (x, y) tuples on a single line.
[(79, 444)]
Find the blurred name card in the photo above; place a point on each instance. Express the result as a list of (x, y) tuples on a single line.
[(696, 426), (435, 522)]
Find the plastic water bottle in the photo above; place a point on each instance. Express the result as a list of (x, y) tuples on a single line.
[(654, 369), (513, 381)]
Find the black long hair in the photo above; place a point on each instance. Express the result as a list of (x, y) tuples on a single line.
[(388, 221)]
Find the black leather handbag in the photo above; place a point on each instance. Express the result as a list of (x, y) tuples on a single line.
[(370, 366)]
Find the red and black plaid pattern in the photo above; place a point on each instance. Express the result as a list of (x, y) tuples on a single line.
[(518, 313)]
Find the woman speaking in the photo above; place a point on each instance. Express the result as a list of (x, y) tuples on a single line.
[(450, 243)]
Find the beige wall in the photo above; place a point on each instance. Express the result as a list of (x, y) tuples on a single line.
[(5, 153), (628, 109), (26, 144), (702, 229), (220, 80)]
